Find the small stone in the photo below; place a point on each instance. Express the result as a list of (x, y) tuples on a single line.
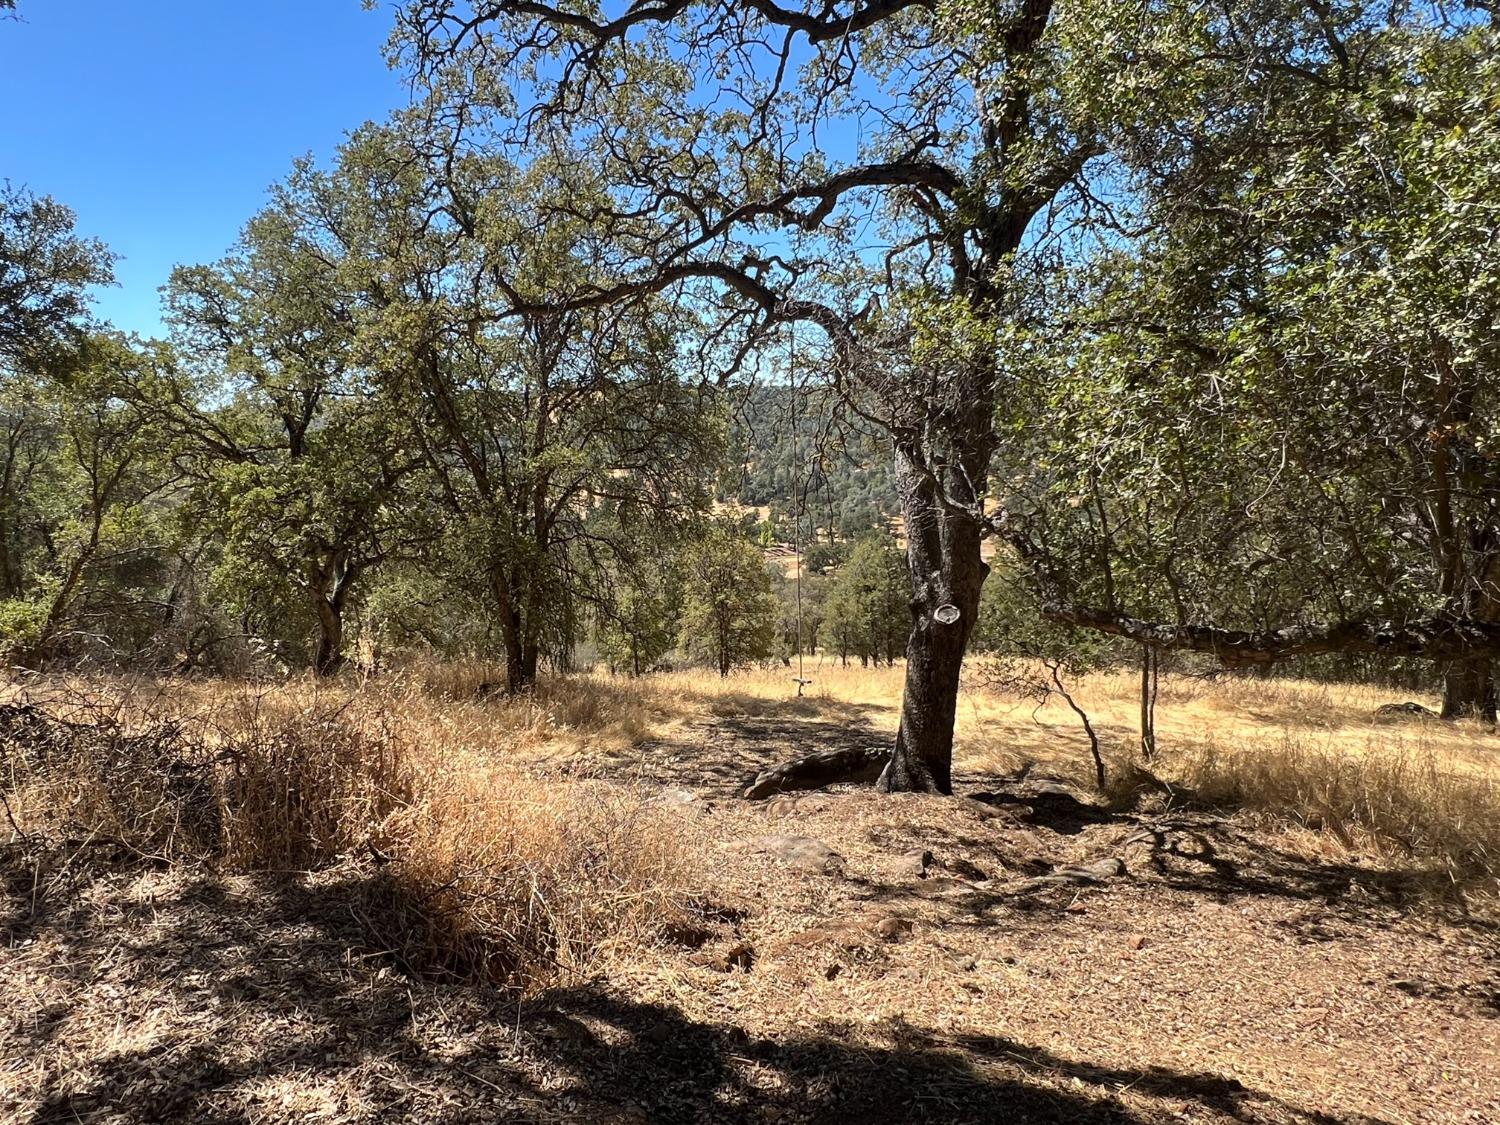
[(801, 852), (915, 864), (1136, 941)]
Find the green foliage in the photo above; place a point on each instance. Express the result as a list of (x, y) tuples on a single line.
[(296, 455), (46, 268), (80, 536), (1011, 627), (637, 619), (1278, 404), (834, 473), (729, 612), (868, 612)]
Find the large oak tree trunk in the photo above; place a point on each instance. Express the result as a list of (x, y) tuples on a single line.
[(1469, 690), (1469, 684), (519, 632), (947, 575), (330, 586)]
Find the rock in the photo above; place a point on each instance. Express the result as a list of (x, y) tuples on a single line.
[(802, 852), (915, 864), (676, 797), (892, 928), (1136, 941)]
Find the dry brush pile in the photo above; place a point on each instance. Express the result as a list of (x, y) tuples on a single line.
[(467, 861)]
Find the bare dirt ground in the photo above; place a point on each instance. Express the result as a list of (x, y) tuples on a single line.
[(1045, 961)]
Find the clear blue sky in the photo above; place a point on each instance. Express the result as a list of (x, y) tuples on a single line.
[(163, 122)]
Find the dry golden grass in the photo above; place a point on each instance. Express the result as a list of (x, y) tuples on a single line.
[(479, 863), (1309, 757), (488, 860), (513, 841)]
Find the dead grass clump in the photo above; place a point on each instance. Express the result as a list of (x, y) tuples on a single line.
[(500, 876), (470, 864), (304, 786), (1388, 802), (560, 714), (457, 679)]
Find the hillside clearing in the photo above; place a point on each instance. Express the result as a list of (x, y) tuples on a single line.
[(1245, 967)]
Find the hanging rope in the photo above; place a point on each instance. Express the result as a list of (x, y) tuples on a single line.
[(798, 506)]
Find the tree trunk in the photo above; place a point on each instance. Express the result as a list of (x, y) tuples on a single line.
[(521, 647), (520, 665), (947, 574), (1149, 677), (330, 654), (1469, 690)]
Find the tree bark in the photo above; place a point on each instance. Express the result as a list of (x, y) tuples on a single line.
[(1149, 675), (1469, 690), (946, 571), (330, 655), (521, 647), (817, 770), (520, 665)]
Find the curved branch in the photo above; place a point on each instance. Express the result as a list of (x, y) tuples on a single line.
[(1432, 639), (824, 27)]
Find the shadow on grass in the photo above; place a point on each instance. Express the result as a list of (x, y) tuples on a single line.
[(266, 1005)]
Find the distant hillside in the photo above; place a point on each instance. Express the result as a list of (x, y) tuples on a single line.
[(837, 471)]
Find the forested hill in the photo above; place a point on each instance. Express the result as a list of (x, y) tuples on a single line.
[(840, 470)]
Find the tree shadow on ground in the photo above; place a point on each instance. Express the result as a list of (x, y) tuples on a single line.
[(1033, 855), (262, 1001), (724, 755)]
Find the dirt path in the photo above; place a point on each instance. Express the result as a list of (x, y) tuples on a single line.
[(1218, 978)]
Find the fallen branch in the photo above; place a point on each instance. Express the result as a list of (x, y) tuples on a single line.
[(820, 769)]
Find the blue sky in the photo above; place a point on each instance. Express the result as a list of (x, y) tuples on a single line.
[(163, 122)]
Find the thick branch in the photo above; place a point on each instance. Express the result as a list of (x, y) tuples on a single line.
[(1431, 639)]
